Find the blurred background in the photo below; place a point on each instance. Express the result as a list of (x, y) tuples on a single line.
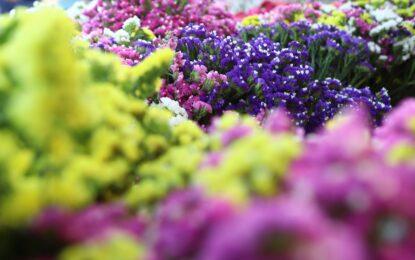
[(235, 5), (7, 5)]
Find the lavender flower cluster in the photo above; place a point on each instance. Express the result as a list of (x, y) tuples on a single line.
[(332, 52), (255, 71)]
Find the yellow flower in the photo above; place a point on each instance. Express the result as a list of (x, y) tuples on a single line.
[(117, 246), (366, 17), (23, 203), (145, 77), (401, 153), (250, 167), (150, 35), (252, 20), (335, 18)]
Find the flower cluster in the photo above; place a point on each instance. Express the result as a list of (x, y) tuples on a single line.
[(126, 27), (132, 42), (71, 132), (272, 66), (162, 17), (100, 158), (386, 26)]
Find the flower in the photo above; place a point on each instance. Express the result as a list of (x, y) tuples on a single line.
[(132, 24), (285, 228), (180, 115), (190, 216), (93, 223), (257, 70)]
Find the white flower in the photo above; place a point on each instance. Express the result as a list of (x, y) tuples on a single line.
[(173, 106), (108, 33), (373, 47), (76, 12), (240, 5), (91, 4), (386, 17), (180, 114), (384, 27), (176, 120), (346, 6), (121, 36), (132, 24), (383, 57), (382, 15), (408, 47), (327, 8), (406, 57)]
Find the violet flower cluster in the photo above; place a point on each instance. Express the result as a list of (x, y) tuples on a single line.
[(387, 27), (260, 69), (331, 52)]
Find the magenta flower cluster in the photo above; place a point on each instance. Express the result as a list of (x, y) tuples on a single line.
[(341, 199)]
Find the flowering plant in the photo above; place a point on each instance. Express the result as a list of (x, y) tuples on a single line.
[(270, 66), (99, 159), (386, 26)]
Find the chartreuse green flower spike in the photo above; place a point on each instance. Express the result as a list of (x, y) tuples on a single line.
[(146, 76)]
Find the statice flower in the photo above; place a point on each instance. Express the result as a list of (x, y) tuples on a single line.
[(180, 114), (119, 246), (284, 229), (332, 52), (132, 42), (162, 17), (56, 228), (278, 121), (183, 222), (256, 71), (250, 163), (292, 12), (344, 173), (396, 138), (388, 26), (92, 223), (126, 27)]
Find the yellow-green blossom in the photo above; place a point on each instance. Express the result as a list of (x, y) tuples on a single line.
[(71, 132), (117, 246), (252, 20), (249, 167)]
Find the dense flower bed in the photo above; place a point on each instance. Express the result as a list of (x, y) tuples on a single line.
[(388, 27), (178, 130)]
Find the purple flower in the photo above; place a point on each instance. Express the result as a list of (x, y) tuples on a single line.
[(254, 72), (94, 222), (183, 222), (279, 122), (345, 174), (396, 128), (236, 132), (284, 229)]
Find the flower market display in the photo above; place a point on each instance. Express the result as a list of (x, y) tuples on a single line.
[(212, 130)]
